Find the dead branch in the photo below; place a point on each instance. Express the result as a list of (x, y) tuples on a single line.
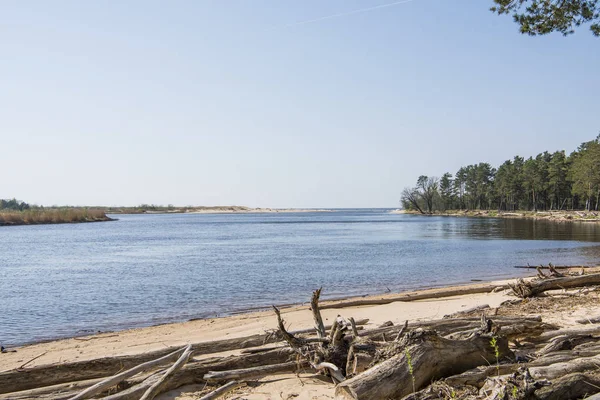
[(155, 389)]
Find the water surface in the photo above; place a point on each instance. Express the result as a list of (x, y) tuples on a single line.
[(65, 280)]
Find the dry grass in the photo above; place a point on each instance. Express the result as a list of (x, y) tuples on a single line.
[(51, 216)]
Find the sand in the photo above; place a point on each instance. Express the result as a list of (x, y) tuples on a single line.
[(303, 386)]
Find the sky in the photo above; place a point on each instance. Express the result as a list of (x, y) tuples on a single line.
[(276, 103)]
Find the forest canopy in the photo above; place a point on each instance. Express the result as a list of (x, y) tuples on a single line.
[(540, 17), (549, 181)]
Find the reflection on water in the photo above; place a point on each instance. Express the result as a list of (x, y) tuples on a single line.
[(523, 229), (61, 280)]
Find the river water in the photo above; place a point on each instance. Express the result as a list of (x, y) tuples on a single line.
[(74, 279)]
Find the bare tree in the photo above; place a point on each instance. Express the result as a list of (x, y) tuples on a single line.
[(410, 198), (427, 187)]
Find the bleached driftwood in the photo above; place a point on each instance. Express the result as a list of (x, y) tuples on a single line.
[(114, 380), (422, 295), (156, 387), (525, 289), (253, 372), (48, 375)]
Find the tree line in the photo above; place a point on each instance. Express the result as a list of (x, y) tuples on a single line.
[(13, 205), (549, 181)]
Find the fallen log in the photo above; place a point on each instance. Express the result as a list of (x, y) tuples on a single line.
[(565, 343), (551, 334), (468, 311), (61, 391), (554, 371), (464, 326), (528, 289), (592, 320), (253, 372), (215, 394), (572, 386), (413, 296), (426, 357)]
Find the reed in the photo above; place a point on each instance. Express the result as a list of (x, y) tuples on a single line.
[(51, 216)]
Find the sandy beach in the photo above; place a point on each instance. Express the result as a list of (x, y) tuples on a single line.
[(554, 216), (283, 386)]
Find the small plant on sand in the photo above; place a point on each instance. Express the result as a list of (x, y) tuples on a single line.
[(515, 392), (494, 344), (410, 369)]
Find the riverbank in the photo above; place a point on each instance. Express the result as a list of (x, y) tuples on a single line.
[(52, 216), (557, 216), (423, 305)]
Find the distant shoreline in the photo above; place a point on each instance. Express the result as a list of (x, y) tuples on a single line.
[(211, 210), (554, 216)]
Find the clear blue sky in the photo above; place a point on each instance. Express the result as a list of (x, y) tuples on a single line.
[(235, 102)]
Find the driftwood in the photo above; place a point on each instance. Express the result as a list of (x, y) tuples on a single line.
[(48, 375), (331, 353), (525, 289), (422, 295), (554, 371), (548, 335), (427, 357), (554, 266), (156, 387), (572, 386), (136, 391), (468, 311), (454, 328), (592, 320), (560, 343), (114, 380), (519, 385), (314, 306), (360, 356), (253, 372), (191, 373), (215, 394), (476, 377), (333, 369), (61, 391)]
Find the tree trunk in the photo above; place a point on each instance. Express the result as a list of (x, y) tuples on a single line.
[(525, 289), (432, 358)]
